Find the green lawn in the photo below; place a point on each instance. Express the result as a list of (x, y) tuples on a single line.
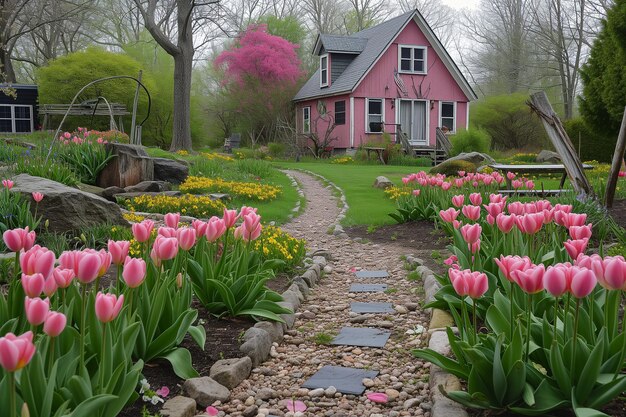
[(368, 205)]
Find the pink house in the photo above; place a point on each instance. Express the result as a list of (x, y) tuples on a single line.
[(394, 75)]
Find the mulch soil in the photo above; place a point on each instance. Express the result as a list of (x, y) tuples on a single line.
[(618, 212), (413, 235)]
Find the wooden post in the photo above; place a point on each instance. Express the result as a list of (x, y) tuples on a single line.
[(540, 104), (133, 120), (616, 164)]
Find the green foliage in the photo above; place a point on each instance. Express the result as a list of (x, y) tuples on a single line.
[(595, 144), (255, 168), (62, 78), (276, 149), (322, 338), (472, 140), (289, 28), (604, 81), (87, 160), (509, 122), (53, 170), (451, 168), (15, 213)]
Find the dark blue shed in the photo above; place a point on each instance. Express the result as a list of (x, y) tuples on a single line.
[(18, 108)]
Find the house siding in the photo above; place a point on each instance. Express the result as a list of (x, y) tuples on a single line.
[(339, 64), (319, 125)]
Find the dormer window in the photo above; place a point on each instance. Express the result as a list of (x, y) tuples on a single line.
[(324, 70), (412, 59)]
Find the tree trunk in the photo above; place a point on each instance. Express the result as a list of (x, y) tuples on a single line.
[(181, 122), (7, 73)]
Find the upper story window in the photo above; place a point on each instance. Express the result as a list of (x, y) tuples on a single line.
[(340, 112), (306, 120), (412, 59), (324, 70), (447, 115)]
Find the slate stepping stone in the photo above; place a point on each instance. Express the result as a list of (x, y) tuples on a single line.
[(346, 380), (372, 307), (368, 287), (362, 337), (372, 274)]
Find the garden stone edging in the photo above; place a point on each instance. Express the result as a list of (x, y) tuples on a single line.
[(260, 340), (297, 209), (438, 341)]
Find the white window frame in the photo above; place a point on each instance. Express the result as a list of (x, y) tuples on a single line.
[(412, 48), (326, 69), (367, 114), (305, 128), (454, 116), (13, 118)]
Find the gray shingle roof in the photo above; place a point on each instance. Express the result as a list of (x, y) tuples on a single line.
[(377, 38), (334, 43)]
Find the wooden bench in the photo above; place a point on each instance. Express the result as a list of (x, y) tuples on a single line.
[(379, 152), (535, 169)]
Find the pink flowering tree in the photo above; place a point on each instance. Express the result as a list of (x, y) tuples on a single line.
[(259, 76)]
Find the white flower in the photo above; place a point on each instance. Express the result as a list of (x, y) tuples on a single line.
[(146, 399), (144, 386), (156, 399)]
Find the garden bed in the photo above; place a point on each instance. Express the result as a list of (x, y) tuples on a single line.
[(418, 234)]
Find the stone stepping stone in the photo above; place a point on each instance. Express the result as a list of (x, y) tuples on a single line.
[(372, 307), (362, 337), (368, 287), (372, 274), (346, 380)]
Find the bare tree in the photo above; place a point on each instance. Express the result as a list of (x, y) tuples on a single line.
[(173, 24), (324, 15), (440, 17), (365, 13)]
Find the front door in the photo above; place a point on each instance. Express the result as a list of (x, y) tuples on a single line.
[(413, 117)]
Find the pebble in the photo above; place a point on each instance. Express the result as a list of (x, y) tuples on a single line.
[(330, 391), (318, 392)]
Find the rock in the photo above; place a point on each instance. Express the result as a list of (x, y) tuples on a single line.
[(257, 345), (548, 156), (205, 391), (310, 277), (151, 193), (302, 286), (265, 394), (169, 170), (68, 208), (367, 382), (274, 329), (250, 411), (382, 182), (401, 309), (179, 406), (440, 319), (323, 252), (392, 394), (289, 318), (90, 189), (475, 158), (439, 343), (130, 166), (318, 392), (144, 186), (330, 391), (411, 403), (230, 372), (110, 192), (320, 260), (291, 298), (220, 196), (328, 269)]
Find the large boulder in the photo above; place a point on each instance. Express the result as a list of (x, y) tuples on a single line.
[(169, 170), (476, 158), (148, 186), (382, 182), (131, 165), (68, 208), (549, 157)]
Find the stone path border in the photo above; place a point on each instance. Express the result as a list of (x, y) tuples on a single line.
[(438, 341), (297, 209)]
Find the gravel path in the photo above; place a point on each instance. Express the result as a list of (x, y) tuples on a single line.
[(402, 377)]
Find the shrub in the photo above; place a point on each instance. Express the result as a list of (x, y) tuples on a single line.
[(451, 168), (594, 145), (276, 149), (51, 169), (509, 122), (86, 158), (254, 167), (473, 140), (277, 244)]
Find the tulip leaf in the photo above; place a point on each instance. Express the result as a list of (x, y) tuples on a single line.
[(589, 412), (498, 322), (472, 401), (528, 395), (258, 312), (590, 373), (558, 368), (515, 382), (499, 377), (449, 365), (180, 358), (198, 334), (92, 405), (607, 392)]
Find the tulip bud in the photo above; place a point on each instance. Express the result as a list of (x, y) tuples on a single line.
[(179, 280), (25, 411)]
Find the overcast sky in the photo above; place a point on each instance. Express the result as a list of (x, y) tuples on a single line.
[(459, 4)]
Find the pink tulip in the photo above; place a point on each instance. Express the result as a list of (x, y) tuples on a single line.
[(471, 212), (33, 284), (458, 200), (295, 406), (416, 192), (448, 215), (36, 310), (200, 227), (505, 223), (165, 248), (614, 273), (215, 229), (118, 251), (530, 184), (63, 277), (142, 231), (37, 197), (575, 247), (212, 411), (167, 232), (88, 266), (230, 217), (474, 247), (172, 220), (37, 260), (245, 210), (134, 272), (446, 186), (583, 282), (475, 284), (494, 209), (575, 219), (8, 184), (461, 173), (471, 232), (50, 285), (510, 175), (108, 306), (508, 264), (580, 232), (476, 199), (451, 260), (186, 238), (530, 280), (530, 223), (497, 198), (555, 281), (55, 324), (378, 397), (18, 239), (251, 227), (16, 351)]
